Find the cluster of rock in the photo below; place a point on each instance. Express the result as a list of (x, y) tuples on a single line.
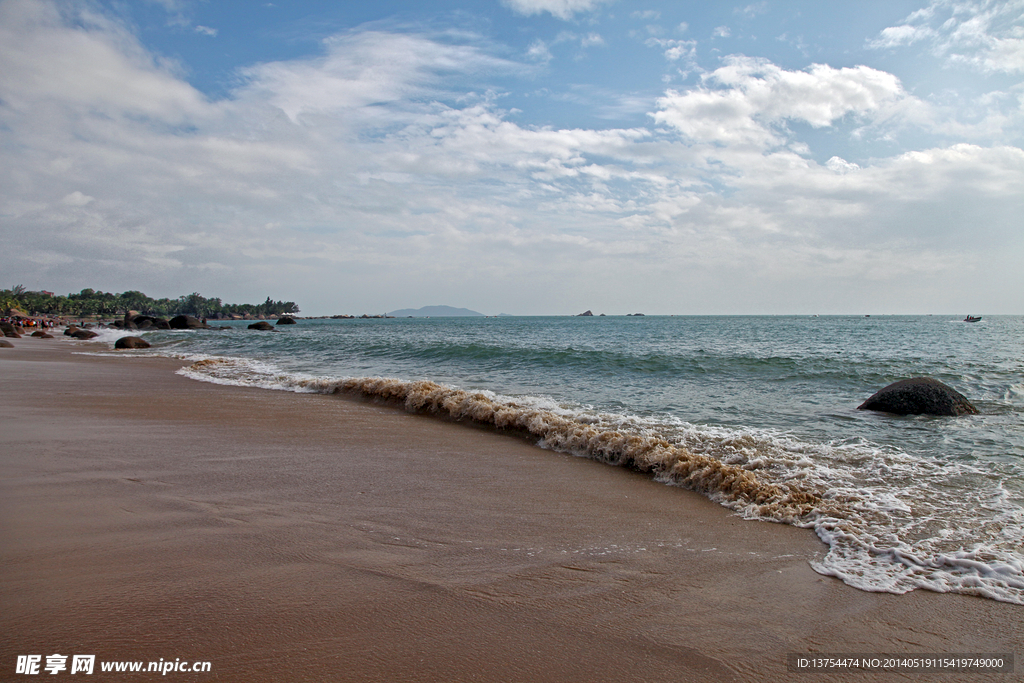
[(267, 327), (136, 321), (79, 333), (11, 330)]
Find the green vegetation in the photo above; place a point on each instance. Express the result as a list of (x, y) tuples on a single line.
[(89, 302)]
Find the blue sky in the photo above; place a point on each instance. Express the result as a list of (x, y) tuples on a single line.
[(519, 156)]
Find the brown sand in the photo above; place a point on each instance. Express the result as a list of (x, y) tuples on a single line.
[(286, 537)]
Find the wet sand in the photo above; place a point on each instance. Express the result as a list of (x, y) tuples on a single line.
[(287, 537)]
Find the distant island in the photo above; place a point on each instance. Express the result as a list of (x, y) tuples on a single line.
[(434, 312)]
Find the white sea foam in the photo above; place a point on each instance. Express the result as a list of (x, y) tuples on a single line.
[(884, 514)]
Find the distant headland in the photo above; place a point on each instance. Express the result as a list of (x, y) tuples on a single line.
[(434, 312)]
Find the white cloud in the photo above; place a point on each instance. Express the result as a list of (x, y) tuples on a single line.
[(752, 11), (562, 9), (206, 31), (984, 35), (539, 51), (76, 198), (675, 50), (841, 166), (365, 68), (97, 64), (755, 97)]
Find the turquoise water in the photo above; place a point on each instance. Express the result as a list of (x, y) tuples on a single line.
[(901, 502)]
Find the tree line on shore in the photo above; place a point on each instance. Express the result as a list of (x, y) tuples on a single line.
[(90, 302)]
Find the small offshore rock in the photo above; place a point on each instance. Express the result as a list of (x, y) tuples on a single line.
[(286, 320), (919, 396), (261, 325), (186, 322)]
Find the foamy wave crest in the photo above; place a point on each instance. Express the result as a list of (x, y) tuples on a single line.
[(730, 485), (880, 511), (670, 463)]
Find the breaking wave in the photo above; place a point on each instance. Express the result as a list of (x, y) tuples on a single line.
[(880, 511)]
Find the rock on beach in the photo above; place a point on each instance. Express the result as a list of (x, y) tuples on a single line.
[(131, 343), (919, 396)]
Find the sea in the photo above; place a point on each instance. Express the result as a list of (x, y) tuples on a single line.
[(757, 413)]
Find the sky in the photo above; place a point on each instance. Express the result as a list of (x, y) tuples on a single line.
[(529, 157)]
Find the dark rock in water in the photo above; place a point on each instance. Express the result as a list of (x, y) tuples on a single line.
[(44, 335), (286, 320), (70, 331), (186, 322), (40, 333), (4, 344), (919, 396), (9, 331), (261, 325), (83, 334), (585, 313), (131, 343)]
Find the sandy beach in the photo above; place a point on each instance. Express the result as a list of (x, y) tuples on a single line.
[(301, 537)]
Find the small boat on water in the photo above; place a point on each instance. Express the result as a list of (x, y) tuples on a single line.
[(972, 318)]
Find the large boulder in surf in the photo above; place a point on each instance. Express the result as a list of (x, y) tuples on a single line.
[(131, 343), (261, 325), (83, 334), (286, 320), (9, 330), (919, 396), (186, 322)]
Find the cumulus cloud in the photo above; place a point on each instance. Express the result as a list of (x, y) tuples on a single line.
[(840, 165), (752, 98)]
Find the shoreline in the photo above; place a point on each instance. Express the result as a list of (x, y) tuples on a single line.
[(307, 536)]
